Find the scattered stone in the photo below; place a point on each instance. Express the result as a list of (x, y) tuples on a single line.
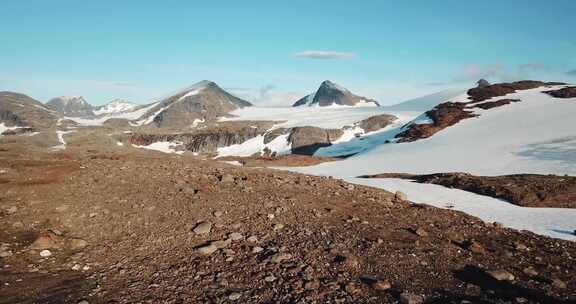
[(350, 187), (557, 283), (381, 285), (257, 249), (236, 236), (420, 232), (84, 302), (312, 285), (77, 244), (410, 298), (530, 271), (218, 213), (47, 240), (280, 257), (203, 228), (4, 253), (12, 210), (476, 247), (352, 288), (227, 178), (207, 249), (271, 216), (270, 278), (45, 253), (252, 239), (278, 227), (234, 296), (520, 246), (501, 275), (222, 244), (498, 225), (400, 196)]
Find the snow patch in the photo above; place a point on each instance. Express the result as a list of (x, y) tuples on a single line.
[(162, 146), (62, 145), (255, 145)]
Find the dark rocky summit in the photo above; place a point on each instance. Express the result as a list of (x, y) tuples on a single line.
[(72, 106), (330, 93)]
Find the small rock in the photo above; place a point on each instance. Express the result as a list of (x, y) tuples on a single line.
[(45, 253), (271, 216), (12, 210), (498, 225), (350, 187), (420, 232), (77, 244), (410, 298), (222, 244), (257, 249), (278, 227), (227, 178), (400, 196), (501, 275), (312, 285), (270, 278), (207, 249), (84, 302), (234, 296), (352, 288), (5, 253), (236, 236), (520, 246), (559, 284), (476, 247), (76, 267), (252, 239), (381, 285), (203, 228), (218, 213), (530, 271), (280, 257), (46, 240)]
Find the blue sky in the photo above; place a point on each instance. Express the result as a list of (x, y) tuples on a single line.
[(273, 52)]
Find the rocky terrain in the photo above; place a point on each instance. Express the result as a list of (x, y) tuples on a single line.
[(19, 110), (72, 106), (99, 225), (330, 93), (449, 113), (527, 190), (569, 92), (202, 101)]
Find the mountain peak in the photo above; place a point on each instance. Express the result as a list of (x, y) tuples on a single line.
[(332, 94), (327, 84)]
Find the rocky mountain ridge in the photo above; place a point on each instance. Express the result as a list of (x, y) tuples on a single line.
[(332, 94)]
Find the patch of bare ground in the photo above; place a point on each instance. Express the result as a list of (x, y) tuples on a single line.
[(138, 228), (569, 92), (527, 190)]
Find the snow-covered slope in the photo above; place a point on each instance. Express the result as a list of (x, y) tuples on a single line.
[(536, 135), (134, 114), (115, 106)]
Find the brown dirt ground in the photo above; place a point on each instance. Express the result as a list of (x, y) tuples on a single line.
[(137, 211)]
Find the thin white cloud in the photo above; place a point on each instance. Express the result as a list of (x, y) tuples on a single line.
[(324, 55)]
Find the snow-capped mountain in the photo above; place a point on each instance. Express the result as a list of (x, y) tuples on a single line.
[(115, 106), (73, 106), (332, 94), (202, 101)]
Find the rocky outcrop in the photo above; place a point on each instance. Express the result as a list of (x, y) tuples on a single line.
[(442, 116), (203, 101), (569, 92), (527, 190), (19, 110), (306, 140), (482, 93), (72, 106), (376, 123), (482, 83), (330, 93), (494, 104)]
